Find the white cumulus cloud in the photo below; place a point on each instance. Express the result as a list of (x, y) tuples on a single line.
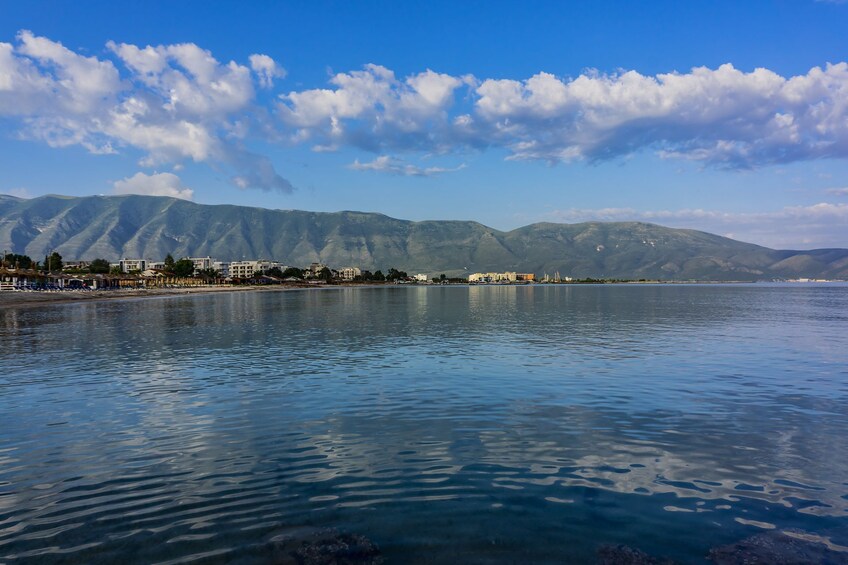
[(372, 108), (177, 103), (190, 81), (157, 184), (172, 102), (266, 69), (722, 116), (76, 85)]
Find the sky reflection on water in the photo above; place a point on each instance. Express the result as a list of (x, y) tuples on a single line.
[(550, 419)]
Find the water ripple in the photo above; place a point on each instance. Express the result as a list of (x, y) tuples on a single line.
[(565, 415)]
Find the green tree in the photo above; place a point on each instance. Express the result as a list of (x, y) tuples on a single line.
[(52, 263), (274, 272), (394, 275), (326, 274), (293, 272), (209, 274), (116, 270), (98, 266), (15, 261), (379, 276), (183, 267), (169, 263)]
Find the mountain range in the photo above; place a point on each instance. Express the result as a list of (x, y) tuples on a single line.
[(113, 227)]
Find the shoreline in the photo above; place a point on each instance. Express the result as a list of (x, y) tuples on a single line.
[(45, 297), (29, 298)]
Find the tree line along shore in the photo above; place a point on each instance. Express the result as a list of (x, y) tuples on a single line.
[(52, 275), (20, 272)]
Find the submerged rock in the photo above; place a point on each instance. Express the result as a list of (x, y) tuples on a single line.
[(341, 549), (624, 555), (309, 546), (789, 547)]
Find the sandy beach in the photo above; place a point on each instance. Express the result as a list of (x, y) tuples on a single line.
[(39, 298), (17, 298)]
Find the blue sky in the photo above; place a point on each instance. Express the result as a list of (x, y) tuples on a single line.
[(731, 117)]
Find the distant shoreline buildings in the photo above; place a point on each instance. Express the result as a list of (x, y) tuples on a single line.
[(20, 272), (246, 269), (131, 272)]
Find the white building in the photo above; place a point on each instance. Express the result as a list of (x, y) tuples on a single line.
[(223, 268), (202, 263), (349, 273), (246, 269), (316, 268), (486, 277), (508, 276), (243, 269), (129, 265), (421, 277), (265, 265)]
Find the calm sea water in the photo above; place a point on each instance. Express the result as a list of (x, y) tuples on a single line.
[(444, 424)]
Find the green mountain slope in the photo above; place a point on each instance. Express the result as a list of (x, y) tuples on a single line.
[(151, 227)]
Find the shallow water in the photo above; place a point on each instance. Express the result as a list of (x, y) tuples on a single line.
[(445, 424)]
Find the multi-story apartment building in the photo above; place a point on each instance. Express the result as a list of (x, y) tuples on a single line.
[(246, 269), (202, 263), (223, 268), (129, 265), (316, 268), (508, 276)]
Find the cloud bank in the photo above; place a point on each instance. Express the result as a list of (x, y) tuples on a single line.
[(174, 102), (178, 103), (723, 117)]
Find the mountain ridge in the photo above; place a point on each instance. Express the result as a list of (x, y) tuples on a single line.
[(112, 227)]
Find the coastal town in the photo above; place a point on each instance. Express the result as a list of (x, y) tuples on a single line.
[(21, 273)]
